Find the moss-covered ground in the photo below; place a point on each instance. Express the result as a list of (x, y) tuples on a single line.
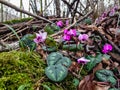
[(23, 70)]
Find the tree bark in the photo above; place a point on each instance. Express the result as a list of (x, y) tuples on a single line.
[(57, 5)]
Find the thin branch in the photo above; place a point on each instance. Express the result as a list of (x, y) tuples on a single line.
[(23, 11), (69, 6), (74, 12), (48, 5)]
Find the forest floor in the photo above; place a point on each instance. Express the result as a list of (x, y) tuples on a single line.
[(84, 55)]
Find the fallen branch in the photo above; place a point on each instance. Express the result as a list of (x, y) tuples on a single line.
[(9, 47), (23, 11)]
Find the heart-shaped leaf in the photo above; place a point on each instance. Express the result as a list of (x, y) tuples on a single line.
[(57, 58), (56, 72), (73, 47), (53, 58), (105, 75), (49, 48), (93, 61), (48, 29), (50, 42), (114, 89), (65, 61), (27, 41)]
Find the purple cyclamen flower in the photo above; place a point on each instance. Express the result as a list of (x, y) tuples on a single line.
[(107, 48), (104, 15), (65, 31), (112, 12), (83, 37), (72, 32), (83, 60), (40, 37), (60, 24), (67, 22), (66, 37)]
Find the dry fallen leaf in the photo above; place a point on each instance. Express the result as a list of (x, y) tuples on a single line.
[(101, 85), (41, 52), (74, 67), (98, 67), (89, 84), (115, 56), (86, 83)]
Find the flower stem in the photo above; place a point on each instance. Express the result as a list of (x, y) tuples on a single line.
[(81, 69)]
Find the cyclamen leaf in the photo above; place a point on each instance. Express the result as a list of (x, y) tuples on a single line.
[(53, 58), (93, 61), (56, 72), (114, 89), (26, 42), (106, 76), (56, 58), (73, 47), (48, 29)]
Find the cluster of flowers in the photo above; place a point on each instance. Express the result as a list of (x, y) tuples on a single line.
[(104, 15), (106, 48), (68, 34)]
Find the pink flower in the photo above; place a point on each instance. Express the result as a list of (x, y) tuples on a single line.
[(72, 32), (107, 48), (65, 31), (60, 24), (83, 37), (67, 22), (83, 60), (66, 37), (104, 15), (40, 37), (112, 12)]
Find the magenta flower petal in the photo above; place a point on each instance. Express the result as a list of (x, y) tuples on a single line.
[(66, 37), (107, 48), (40, 37), (104, 15), (112, 12), (65, 31), (72, 32), (83, 37), (43, 35), (83, 60), (67, 22), (60, 24)]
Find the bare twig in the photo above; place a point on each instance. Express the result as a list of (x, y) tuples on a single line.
[(23, 11), (69, 6), (48, 5), (75, 10)]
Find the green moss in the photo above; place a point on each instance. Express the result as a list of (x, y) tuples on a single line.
[(18, 68), (66, 84), (23, 69), (14, 21)]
